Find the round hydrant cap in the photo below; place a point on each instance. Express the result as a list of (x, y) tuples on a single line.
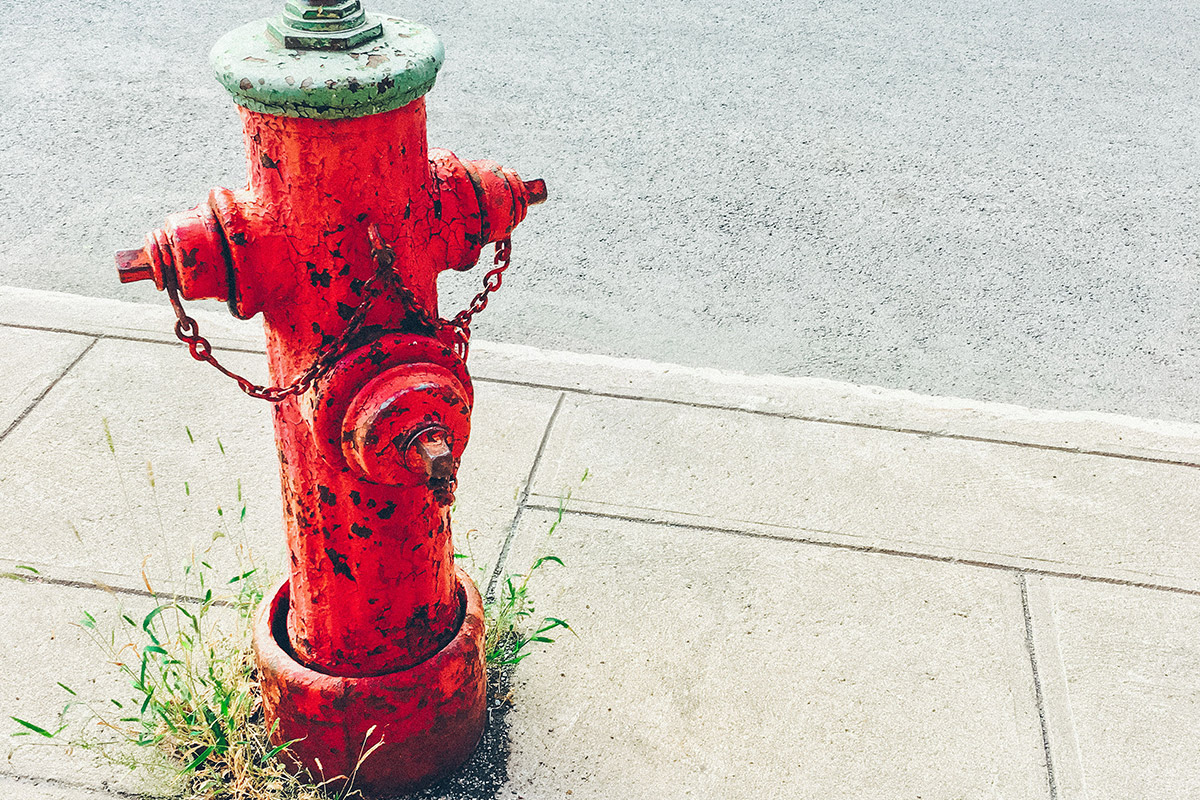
[(377, 76)]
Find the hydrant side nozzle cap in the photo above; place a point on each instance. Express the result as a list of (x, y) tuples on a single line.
[(536, 190), (134, 265), (374, 76)]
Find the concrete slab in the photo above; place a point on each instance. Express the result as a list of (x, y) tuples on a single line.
[(1020, 506), (32, 789), (508, 424), (31, 361), (717, 665), (49, 646), (1120, 669), (189, 453), (710, 661)]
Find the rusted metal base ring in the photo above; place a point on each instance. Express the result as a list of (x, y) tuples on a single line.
[(429, 717)]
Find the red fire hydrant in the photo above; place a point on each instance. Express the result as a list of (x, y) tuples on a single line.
[(376, 639)]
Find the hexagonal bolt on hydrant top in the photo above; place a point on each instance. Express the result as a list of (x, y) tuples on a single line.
[(337, 242)]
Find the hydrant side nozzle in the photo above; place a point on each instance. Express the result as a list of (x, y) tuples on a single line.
[(153, 262), (478, 202), (188, 252), (407, 426)]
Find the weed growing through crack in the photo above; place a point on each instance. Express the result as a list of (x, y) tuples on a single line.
[(507, 616), (193, 690)]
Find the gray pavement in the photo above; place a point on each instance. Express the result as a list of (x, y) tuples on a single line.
[(780, 587), (995, 201)]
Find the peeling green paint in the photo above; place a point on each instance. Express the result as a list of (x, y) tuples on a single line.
[(380, 75)]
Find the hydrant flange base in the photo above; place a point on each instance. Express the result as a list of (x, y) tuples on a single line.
[(429, 717)]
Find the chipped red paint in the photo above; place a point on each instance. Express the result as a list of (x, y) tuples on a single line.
[(375, 625)]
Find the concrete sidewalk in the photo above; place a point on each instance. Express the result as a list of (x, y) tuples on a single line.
[(781, 587)]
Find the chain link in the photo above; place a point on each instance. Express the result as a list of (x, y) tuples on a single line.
[(491, 282), (385, 277)]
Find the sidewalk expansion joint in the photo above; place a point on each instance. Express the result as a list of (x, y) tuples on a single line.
[(873, 549), (50, 386), (107, 588), (1037, 685), (258, 351), (522, 502), (935, 434)]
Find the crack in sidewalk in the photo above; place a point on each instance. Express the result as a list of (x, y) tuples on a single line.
[(522, 503), (1037, 686), (49, 387)]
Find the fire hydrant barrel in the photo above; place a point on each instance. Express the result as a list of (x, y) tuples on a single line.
[(370, 535), (375, 640)]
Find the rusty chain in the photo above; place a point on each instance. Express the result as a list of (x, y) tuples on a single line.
[(330, 352)]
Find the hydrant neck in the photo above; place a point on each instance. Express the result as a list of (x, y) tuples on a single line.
[(340, 169), (320, 184)]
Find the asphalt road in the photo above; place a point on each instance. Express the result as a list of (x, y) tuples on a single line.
[(996, 201)]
